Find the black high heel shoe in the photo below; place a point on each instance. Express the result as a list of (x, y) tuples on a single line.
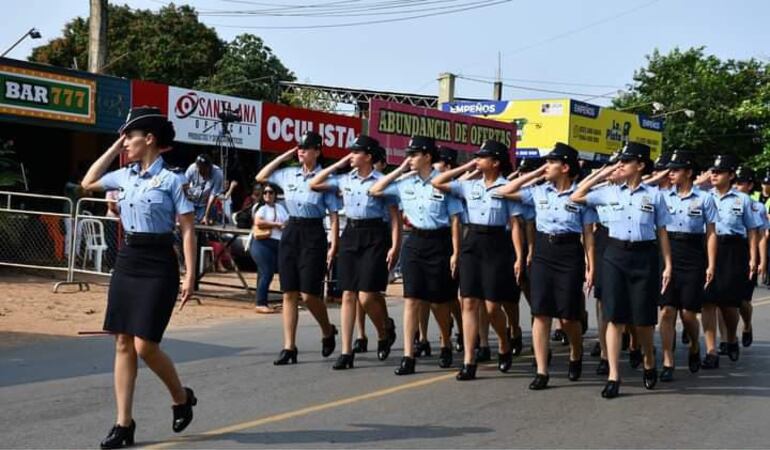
[(183, 414), (575, 370), (406, 367), (540, 382), (467, 372), (483, 354), (422, 348), (504, 361), (459, 343), (344, 361), (286, 357), (329, 343), (611, 389), (517, 345), (384, 345), (650, 378), (445, 358), (119, 436), (361, 345), (733, 351)]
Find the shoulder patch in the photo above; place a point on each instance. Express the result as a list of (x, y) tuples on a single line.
[(171, 168)]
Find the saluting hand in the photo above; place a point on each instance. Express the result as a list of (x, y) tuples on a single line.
[(186, 292)]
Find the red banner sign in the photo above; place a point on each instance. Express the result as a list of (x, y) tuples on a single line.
[(282, 127)]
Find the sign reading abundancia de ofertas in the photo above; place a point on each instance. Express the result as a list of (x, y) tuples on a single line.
[(45, 95)]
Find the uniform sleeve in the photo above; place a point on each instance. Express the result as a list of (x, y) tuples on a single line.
[(113, 180), (526, 196), (749, 218), (710, 211), (217, 183), (598, 196), (278, 178), (662, 216), (515, 209), (454, 205), (332, 202), (392, 190), (188, 174), (589, 215), (182, 204), (457, 188), (335, 183)]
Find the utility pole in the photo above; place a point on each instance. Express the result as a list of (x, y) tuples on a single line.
[(497, 89), (97, 36), (446, 88)]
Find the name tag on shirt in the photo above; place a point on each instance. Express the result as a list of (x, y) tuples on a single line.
[(291, 187), (647, 207), (437, 195), (571, 207), (738, 210), (695, 212)]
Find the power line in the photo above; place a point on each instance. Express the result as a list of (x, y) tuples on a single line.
[(361, 12), (564, 83), (529, 88)]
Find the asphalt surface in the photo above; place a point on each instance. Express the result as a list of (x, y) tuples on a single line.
[(58, 394)]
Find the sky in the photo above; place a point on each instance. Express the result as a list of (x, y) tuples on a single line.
[(585, 48)]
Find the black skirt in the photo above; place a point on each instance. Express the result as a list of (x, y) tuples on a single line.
[(486, 265), (143, 291), (557, 276), (362, 257), (732, 272), (601, 236), (631, 283), (302, 256), (425, 260), (688, 275)]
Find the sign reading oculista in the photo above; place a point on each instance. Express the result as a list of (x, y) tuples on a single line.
[(195, 115), (283, 126), (393, 124)]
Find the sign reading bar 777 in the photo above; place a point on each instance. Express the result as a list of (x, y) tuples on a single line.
[(45, 95)]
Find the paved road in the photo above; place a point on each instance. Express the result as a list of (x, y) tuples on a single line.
[(59, 394)]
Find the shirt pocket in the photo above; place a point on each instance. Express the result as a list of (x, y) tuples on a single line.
[(435, 207), (154, 200)]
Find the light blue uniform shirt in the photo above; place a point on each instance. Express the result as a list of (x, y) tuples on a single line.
[(603, 214), (555, 213), (759, 209), (150, 201), (735, 214), (426, 207), (634, 214), (300, 200), (355, 195), (485, 206), (690, 213)]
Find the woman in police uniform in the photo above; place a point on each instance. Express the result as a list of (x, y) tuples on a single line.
[(432, 249), (560, 262), (145, 282), (364, 257), (736, 259), (631, 263), (692, 233), (486, 258), (304, 255)]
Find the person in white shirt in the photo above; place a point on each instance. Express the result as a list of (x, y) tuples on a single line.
[(270, 215)]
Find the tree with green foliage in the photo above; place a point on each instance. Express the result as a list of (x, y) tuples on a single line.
[(717, 91), (249, 69)]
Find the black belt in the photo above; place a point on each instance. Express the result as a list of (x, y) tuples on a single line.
[(731, 238), (306, 221), (148, 239), (364, 223), (631, 245), (486, 229), (602, 227), (563, 238), (688, 237), (438, 232)]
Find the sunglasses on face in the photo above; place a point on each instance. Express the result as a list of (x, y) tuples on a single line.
[(268, 192)]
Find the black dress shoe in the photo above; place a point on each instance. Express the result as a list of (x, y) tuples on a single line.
[(516, 345), (445, 358), (361, 345), (344, 362), (329, 343), (596, 351), (540, 382), (384, 345), (575, 370), (635, 358), (557, 336), (722, 348), (183, 414), (504, 361), (667, 374), (422, 348), (650, 378), (120, 437), (467, 372), (733, 351), (711, 361), (603, 368), (693, 362), (625, 342), (286, 357), (406, 367), (747, 338), (459, 343), (685, 337), (483, 354), (611, 389)]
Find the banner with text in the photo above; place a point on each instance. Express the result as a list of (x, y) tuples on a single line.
[(283, 126), (393, 124), (196, 117)]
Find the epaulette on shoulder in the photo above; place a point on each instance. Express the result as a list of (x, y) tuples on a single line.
[(171, 168)]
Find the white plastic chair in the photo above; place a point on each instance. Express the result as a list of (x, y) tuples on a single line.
[(95, 244)]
